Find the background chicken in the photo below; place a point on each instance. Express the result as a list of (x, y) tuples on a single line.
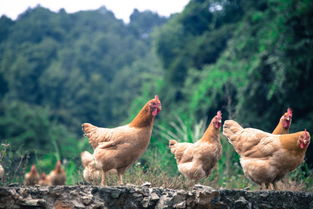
[(118, 148), (32, 177), (264, 157), (284, 123), (1, 172), (91, 174), (57, 176), (195, 161), (44, 180)]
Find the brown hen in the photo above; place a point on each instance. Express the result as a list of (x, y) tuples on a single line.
[(57, 176), (264, 157), (32, 177), (196, 160), (118, 148)]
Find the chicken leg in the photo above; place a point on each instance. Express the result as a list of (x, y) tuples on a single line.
[(103, 183)]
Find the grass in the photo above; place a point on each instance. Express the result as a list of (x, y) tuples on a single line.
[(157, 165), (137, 175)]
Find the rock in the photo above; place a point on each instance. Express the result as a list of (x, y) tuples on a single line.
[(164, 202), (115, 194), (145, 202), (154, 196), (13, 185), (91, 197), (86, 199), (180, 205), (33, 202), (242, 203), (137, 195), (146, 184), (77, 204), (202, 187)]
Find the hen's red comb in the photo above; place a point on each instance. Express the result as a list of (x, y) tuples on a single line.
[(289, 111), (156, 97), (219, 114)]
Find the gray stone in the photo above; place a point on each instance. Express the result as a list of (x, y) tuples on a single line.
[(86, 199), (242, 203), (154, 196), (115, 194), (78, 204), (146, 184), (91, 197), (180, 205), (33, 202), (137, 195), (145, 202)]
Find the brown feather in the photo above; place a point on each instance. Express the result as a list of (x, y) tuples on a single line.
[(280, 128), (32, 177), (196, 160), (290, 142), (143, 118), (264, 157), (211, 134), (118, 148), (58, 175)]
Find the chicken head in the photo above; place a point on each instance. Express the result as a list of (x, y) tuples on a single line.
[(217, 121), (304, 140), (155, 106), (287, 118)]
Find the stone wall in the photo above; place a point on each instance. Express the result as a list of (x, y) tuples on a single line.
[(128, 197)]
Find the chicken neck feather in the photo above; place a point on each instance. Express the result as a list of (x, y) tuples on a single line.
[(211, 134), (143, 119), (290, 142)]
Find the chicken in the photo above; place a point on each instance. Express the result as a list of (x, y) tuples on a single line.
[(91, 174), (284, 123), (118, 148), (195, 161), (1, 172), (264, 157), (32, 177), (44, 180), (57, 176)]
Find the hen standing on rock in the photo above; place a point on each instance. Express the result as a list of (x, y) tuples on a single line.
[(32, 177), (57, 176), (195, 161), (44, 179), (1, 172), (118, 148), (266, 158)]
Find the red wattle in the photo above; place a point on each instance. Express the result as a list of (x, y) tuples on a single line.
[(301, 145), (155, 112)]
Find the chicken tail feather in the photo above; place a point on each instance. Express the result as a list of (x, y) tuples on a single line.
[(88, 129), (230, 128), (86, 158)]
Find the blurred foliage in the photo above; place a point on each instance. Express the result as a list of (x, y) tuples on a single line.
[(250, 59), (58, 70)]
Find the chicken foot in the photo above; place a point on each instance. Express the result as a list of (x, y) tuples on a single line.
[(120, 177), (103, 183), (273, 186), (264, 186)]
